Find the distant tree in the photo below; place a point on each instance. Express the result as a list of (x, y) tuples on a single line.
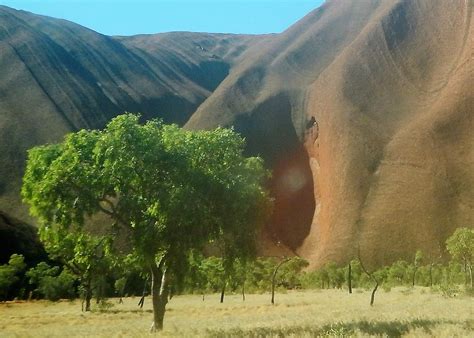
[(461, 247), (335, 275), (213, 270), (196, 278), (259, 273), (349, 277), (43, 269), (169, 190), (398, 272), (289, 268), (417, 261), (9, 274), (242, 274), (274, 275), (86, 256), (373, 276), (50, 282), (119, 286)]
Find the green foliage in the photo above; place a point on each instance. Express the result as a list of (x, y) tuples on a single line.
[(166, 190), (261, 274), (398, 273), (142, 176), (50, 283), (209, 275), (119, 286), (289, 273), (36, 274), (104, 305), (461, 245), (9, 274), (57, 287), (17, 263), (87, 257), (419, 257)]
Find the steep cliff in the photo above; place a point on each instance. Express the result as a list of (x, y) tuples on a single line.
[(391, 150)]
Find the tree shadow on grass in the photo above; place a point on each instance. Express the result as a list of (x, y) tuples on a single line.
[(115, 311), (371, 328), (391, 329)]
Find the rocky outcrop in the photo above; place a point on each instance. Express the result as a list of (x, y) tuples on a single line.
[(363, 109), (17, 237), (390, 84), (57, 77)]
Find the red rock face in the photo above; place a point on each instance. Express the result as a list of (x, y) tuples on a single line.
[(390, 85), (390, 164)]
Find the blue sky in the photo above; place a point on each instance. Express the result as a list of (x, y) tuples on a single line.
[(127, 17)]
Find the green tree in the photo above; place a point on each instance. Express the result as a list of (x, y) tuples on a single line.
[(290, 273), (169, 190), (260, 273), (335, 274), (398, 273), (50, 282), (9, 273), (37, 275), (86, 256), (418, 259), (461, 248)]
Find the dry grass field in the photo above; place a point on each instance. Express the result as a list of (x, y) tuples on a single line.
[(400, 312)]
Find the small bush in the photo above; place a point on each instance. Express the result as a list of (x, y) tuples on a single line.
[(56, 287), (447, 290), (104, 305)]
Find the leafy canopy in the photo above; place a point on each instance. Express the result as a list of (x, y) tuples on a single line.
[(164, 189), (9, 273), (461, 245)]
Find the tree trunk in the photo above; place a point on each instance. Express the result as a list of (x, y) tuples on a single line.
[(274, 277), (87, 295), (223, 292), (414, 276), (159, 293), (466, 276), (470, 274), (243, 291), (88, 298), (371, 276), (372, 297), (141, 302), (349, 278), (431, 274)]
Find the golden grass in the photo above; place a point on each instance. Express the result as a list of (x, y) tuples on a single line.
[(414, 313)]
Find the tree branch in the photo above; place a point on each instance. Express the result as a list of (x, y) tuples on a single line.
[(113, 212)]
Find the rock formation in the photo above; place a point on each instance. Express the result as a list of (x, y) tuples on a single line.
[(363, 109), (57, 77), (390, 83)]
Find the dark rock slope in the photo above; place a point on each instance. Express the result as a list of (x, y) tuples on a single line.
[(57, 77)]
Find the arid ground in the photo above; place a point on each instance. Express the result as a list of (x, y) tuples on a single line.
[(400, 312)]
